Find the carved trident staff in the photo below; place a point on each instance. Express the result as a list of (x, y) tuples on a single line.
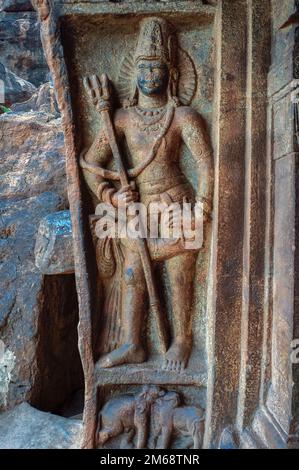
[(99, 92)]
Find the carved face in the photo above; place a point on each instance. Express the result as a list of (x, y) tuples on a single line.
[(152, 76)]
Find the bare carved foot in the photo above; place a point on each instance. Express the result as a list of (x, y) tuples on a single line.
[(177, 356), (126, 354)]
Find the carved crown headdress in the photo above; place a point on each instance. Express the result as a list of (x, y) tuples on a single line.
[(156, 40)]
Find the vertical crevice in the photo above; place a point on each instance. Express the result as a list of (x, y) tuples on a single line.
[(59, 371)]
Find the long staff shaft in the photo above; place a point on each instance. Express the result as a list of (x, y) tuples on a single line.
[(142, 244)]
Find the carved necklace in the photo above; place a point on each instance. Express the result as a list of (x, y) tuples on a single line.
[(150, 120)]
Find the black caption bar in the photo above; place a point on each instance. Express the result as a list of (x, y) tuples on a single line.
[(143, 458)]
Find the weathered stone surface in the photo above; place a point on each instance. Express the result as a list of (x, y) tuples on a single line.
[(20, 46), (252, 316), (283, 115), (32, 184), (25, 427), (228, 439), (16, 5), (280, 393), (32, 149), (275, 419), (42, 100), (7, 360), (54, 244), (15, 88)]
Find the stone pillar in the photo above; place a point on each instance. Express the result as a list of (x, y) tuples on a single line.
[(276, 421), (228, 216), (258, 62), (243, 45)]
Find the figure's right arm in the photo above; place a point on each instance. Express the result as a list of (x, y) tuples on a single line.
[(98, 154)]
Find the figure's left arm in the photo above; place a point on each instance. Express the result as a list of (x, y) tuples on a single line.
[(196, 138)]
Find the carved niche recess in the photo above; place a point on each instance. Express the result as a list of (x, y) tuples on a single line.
[(135, 86)]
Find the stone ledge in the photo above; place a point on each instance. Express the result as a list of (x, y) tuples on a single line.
[(187, 7), (149, 373)]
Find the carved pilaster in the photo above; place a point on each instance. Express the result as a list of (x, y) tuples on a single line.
[(276, 421)]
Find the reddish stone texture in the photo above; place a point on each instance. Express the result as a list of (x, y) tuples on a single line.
[(251, 399)]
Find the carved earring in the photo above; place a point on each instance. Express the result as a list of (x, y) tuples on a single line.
[(172, 86), (133, 101), (174, 78)]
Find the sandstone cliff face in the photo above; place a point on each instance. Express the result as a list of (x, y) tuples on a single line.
[(39, 359), (15, 89), (20, 44), (31, 160), (37, 314), (16, 5)]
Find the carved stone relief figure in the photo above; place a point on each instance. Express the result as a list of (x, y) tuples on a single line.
[(132, 416), (153, 124), (148, 129), (170, 418), (127, 414)]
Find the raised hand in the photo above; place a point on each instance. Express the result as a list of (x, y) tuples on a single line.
[(98, 90)]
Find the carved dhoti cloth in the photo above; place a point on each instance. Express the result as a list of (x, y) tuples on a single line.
[(179, 193), (115, 255)]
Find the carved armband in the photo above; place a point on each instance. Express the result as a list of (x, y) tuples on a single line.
[(103, 105)]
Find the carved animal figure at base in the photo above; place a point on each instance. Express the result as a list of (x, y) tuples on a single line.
[(171, 420), (127, 414)]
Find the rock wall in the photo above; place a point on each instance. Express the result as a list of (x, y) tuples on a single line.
[(16, 89), (36, 313), (27, 428), (15, 5), (20, 44)]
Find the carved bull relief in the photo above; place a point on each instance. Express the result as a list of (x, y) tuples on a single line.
[(131, 415)]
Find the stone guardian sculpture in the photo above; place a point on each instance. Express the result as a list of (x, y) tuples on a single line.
[(154, 125)]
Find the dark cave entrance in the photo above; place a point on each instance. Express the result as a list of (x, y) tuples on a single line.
[(59, 382)]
